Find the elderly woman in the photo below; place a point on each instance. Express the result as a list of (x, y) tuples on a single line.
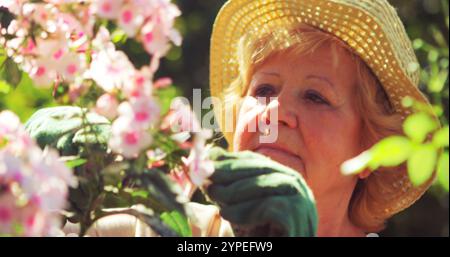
[(331, 74), (335, 72)]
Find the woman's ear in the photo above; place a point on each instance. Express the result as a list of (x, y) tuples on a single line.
[(364, 174)]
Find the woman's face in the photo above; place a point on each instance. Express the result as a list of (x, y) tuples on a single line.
[(318, 126)]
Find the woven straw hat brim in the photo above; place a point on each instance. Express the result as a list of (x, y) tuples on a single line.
[(371, 28)]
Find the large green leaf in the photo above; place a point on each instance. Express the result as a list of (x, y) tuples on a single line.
[(418, 126), (421, 164), (390, 152), (178, 222), (68, 130), (440, 138)]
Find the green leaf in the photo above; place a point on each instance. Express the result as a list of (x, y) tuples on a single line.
[(421, 164), (119, 37), (390, 152), (4, 87), (165, 97), (437, 82), (11, 73), (440, 138), (75, 163), (442, 171), (418, 126), (154, 189), (178, 222)]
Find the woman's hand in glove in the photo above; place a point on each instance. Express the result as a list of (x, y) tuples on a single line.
[(261, 196)]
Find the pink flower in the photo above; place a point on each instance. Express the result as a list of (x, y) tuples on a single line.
[(73, 65), (33, 183), (107, 105), (11, 169), (140, 85), (42, 13), (51, 51), (154, 39), (111, 69), (158, 31), (181, 118), (142, 112), (200, 168), (102, 41), (108, 9), (9, 124), (130, 19), (162, 83), (42, 75), (128, 140)]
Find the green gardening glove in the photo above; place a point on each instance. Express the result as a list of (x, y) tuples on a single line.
[(261, 197), (64, 128)]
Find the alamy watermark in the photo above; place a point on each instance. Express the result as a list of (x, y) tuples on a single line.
[(265, 122)]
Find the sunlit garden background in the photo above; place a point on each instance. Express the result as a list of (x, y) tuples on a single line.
[(427, 23)]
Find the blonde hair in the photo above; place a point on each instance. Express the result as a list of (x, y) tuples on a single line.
[(377, 115)]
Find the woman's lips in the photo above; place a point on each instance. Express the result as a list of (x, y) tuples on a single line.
[(282, 156)]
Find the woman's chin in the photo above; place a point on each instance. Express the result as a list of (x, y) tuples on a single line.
[(286, 159)]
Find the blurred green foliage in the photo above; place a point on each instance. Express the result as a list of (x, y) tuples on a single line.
[(427, 24)]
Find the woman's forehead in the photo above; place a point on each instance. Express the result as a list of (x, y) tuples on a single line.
[(328, 58)]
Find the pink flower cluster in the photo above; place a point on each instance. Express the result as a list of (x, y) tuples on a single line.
[(33, 183), (56, 43), (49, 44), (52, 38), (150, 21), (113, 71), (182, 119), (200, 167)]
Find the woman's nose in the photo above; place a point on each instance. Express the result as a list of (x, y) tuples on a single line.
[(280, 111)]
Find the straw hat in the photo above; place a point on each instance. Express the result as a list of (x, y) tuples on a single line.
[(371, 28)]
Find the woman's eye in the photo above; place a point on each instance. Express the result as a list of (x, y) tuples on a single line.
[(316, 98), (264, 90)]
